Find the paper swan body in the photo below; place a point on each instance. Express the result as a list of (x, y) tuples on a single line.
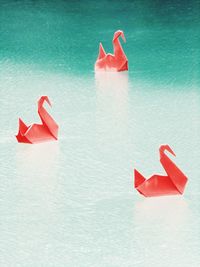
[(36, 133), (116, 62), (157, 185)]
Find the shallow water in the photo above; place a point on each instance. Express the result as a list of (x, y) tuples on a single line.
[(71, 202)]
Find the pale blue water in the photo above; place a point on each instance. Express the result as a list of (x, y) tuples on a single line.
[(71, 202)]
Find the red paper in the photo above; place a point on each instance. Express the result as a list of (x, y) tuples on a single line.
[(109, 62), (158, 185), (36, 133)]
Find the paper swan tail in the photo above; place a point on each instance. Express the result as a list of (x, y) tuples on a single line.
[(46, 119), (176, 175), (118, 50), (102, 52), (139, 178), (22, 130)]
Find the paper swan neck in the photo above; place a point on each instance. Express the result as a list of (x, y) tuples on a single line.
[(118, 50), (175, 174), (46, 118), (164, 148), (165, 160)]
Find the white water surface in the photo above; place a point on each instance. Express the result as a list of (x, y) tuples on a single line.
[(72, 202)]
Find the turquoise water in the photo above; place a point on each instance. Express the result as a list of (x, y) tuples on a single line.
[(162, 38), (71, 202)]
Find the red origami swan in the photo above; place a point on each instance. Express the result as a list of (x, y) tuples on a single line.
[(116, 62), (36, 133), (158, 185)]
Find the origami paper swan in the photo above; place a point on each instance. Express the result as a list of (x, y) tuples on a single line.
[(35, 133), (116, 62), (157, 185)]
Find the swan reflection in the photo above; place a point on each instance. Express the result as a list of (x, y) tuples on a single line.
[(112, 105), (37, 163)]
